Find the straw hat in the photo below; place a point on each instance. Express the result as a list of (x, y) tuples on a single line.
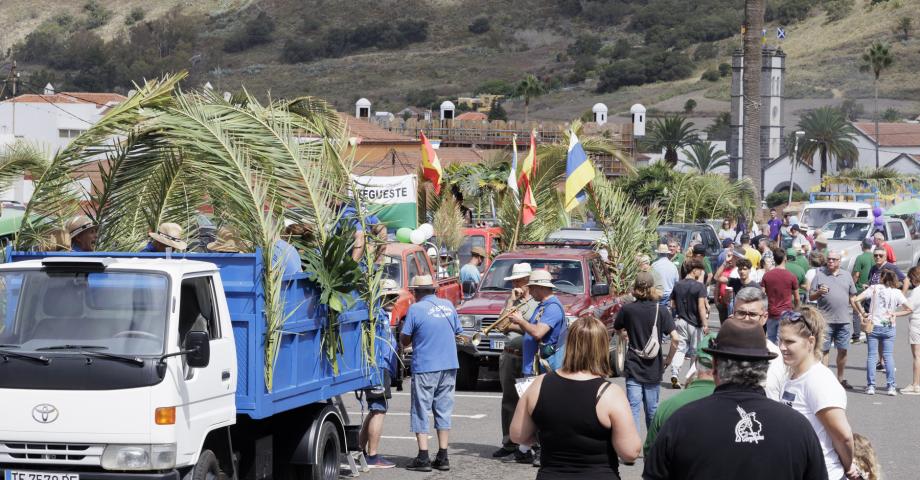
[(663, 249), (169, 234), (422, 281), (519, 270), (228, 241), (389, 286), (541, 278), (481, 252), (78, 225)]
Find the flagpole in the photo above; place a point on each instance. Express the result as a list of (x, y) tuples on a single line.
[(517, 226)]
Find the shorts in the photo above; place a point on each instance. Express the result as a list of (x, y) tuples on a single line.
[(432, 392), (690, 336), (915, 332), (377, 397), (840, 334)]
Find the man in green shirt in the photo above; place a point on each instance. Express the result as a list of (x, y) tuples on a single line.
[(676, 255), (794, 265), (702, 386)]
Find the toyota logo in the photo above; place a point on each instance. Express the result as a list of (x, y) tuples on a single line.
[(45, 413)]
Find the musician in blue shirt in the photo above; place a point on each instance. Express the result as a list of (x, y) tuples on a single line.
[(544, 332)]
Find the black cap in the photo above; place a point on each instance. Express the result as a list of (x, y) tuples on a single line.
[(699, 249)]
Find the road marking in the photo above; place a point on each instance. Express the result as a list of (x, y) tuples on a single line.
[(477, 416), (460, 395)]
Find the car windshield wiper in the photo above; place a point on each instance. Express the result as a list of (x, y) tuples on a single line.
[(90, 351), (494, 288), (7, 355)]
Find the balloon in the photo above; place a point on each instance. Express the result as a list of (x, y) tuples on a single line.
[(417, 237), (427, 229), (877, 211), (402, 235)]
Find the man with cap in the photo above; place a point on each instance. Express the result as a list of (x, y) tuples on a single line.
[(737, 431), (700, 387), (699, 252), (751, 307), (83, 233), (665, 273), (431, 327), (168, 235), (469, 273), (509, 363)]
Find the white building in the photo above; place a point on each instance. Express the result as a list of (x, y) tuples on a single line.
[(49, 121)]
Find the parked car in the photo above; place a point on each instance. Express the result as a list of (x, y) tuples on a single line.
[(846, 234), (582, 286), (816, 215), (685, 233)]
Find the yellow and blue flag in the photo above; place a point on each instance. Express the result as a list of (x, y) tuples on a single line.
[(579, 171)]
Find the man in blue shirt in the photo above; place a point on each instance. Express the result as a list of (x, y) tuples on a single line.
[(544, 332), (431, 327), (469, 274), (775, 225)]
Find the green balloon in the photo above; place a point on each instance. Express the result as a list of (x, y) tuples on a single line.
[(403, 235)]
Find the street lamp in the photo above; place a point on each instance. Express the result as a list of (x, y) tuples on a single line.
[(795, 159)]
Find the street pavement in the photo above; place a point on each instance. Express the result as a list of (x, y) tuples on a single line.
[(892, 424)]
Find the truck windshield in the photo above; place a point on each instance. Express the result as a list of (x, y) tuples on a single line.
[(118, 313), (680, 236), (567, 274), (392, 269), (817, 217), (855, 231)]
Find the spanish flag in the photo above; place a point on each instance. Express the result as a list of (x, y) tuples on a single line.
[(431, 166), (579, 171), (528, 202)]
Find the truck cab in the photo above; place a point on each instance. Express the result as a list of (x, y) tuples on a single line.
[(487, 238), (846, 235), (582, 287), (401, 263)]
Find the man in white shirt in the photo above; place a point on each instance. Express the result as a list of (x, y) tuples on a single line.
[(751, 307)]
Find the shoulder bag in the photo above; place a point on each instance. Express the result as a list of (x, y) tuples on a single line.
[(653, 345), (867, 323)]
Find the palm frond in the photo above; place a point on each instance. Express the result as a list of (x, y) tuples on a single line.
[(448, 224)]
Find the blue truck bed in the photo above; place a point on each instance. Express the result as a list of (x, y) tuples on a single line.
[(302, 375)]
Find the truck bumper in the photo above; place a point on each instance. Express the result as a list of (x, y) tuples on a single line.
[(481, 354), (170, 475)]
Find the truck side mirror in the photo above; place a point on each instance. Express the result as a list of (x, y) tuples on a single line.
[(198, 346), (600, 289)]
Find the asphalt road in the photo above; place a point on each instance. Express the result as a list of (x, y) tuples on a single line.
[(891, 423)]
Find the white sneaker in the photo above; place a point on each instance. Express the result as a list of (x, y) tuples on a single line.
[(870, 390), (892, 392)]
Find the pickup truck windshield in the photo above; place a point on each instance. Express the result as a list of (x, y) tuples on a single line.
[(116, 313), (392, 269), (567, 274), (817, 217), (855, 231)]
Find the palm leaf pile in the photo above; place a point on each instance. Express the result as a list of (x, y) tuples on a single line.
[(164, 154), (694, 198)]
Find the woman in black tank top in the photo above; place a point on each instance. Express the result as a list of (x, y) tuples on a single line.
[(582, 421)]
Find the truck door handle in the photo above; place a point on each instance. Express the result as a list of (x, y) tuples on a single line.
[(225, 375)]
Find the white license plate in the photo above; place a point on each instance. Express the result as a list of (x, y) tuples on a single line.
[(498, 344), (21, 475)]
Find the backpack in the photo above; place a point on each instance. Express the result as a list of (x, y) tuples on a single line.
[(653, 345)]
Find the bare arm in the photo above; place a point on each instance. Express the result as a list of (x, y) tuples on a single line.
[(523, 430), (405, 340), (838, 427), (675, 339), (623, 431), (701, 304), (535, 330)]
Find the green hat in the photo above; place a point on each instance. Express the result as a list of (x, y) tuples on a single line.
[(701, 356), (792, 252)]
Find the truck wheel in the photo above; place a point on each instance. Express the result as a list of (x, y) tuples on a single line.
[(618, 355), (468, 374), (207, 468), (327, 463)]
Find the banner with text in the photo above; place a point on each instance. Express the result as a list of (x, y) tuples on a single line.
[(393, 199)]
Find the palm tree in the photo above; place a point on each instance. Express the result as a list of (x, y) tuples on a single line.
[(670, 134), (528, 88), (753, 60), (828, 134), (704, 157), (876, 59)]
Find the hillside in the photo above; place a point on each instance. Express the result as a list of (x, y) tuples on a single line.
[(397, 52)]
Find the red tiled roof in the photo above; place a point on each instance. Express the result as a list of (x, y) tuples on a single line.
[(408, 162), (367, 132), (892, 134), (70, 97), (472, 116)]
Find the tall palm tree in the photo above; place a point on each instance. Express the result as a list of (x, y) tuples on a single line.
[(753, 60), (704, 157), (875, 59), (670, 134), (830, 135), (528, 88)]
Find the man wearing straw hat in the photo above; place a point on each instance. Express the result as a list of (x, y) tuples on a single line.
[(431, 327), (168, 235), (83, 233), (509, 363), (469, 274), (228, 241)]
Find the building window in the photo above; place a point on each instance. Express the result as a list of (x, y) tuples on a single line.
[(69, 132)]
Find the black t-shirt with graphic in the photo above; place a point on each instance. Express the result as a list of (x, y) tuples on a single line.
[(638, 318)]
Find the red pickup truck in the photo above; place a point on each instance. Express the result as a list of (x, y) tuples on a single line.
[(582, 286), (401, 263)]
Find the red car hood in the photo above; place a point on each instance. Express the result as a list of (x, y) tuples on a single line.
[(486, 303)]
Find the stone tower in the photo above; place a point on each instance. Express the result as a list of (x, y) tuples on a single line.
[(771, 110)]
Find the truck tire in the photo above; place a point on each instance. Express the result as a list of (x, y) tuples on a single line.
[(207, 468), (618, 355), (327, 463), (468, 374)]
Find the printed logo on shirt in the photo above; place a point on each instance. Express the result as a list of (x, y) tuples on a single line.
[(788, 398), (748, 429)]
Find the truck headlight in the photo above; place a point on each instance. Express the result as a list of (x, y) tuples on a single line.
[(139, 457), (467, 321)]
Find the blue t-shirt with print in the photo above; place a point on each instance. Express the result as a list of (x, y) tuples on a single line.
[(554, 317), (433, 325)]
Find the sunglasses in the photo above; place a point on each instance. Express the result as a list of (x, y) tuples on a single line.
[(795, 317), (879, 255), (829, 259)]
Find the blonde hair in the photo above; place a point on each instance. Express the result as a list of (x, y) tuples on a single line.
[(586, 347), (808, 323), (864, 458)]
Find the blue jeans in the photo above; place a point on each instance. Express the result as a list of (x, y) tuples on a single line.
[(773, 330), (432, 392), (885, 337), (644, 393)]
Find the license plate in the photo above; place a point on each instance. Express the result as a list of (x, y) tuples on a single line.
[(21, 475), (498, 344)]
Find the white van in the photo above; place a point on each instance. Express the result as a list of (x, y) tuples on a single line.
[(815, 215)]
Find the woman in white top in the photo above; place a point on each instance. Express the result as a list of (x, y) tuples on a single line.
[(726, 231), (814, 391), (887, 303), (914, 299)]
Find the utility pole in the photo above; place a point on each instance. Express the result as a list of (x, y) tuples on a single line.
[(795, 159), (14, 78)]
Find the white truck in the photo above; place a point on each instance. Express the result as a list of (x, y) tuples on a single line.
[(846, 235), (116, 367)]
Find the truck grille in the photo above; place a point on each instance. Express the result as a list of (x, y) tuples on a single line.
[(486, 321), (51, 453)]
